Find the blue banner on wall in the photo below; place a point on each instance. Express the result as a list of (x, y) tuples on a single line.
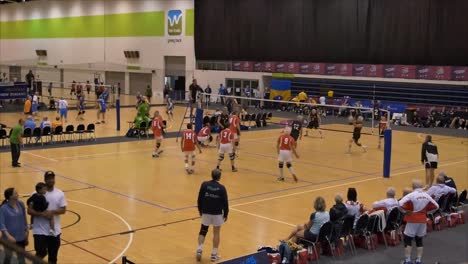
[(13, 91), (256, 258)]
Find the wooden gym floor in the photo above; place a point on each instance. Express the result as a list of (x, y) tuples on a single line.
[(114, 188)]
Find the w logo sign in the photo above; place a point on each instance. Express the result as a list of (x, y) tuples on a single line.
[(174, 22)]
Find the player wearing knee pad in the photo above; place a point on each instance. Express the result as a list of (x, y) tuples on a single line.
[(204, 135), (357, 123), (187, 145), (225, 141), (284, 146), (157, 125), (234, 126)]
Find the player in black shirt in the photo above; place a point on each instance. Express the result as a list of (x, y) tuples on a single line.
[(314, 122), (430, 158), (357, 123), (213, 207), (296, 128)]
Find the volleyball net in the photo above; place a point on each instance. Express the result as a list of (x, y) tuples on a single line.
[(334, 117)]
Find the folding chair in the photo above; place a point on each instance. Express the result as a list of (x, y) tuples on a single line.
[(69, 130), (346, 232), (3, 136), (143, 128), (37, 134), (80, 131), (91, 130), (57, 133), (27, 133)]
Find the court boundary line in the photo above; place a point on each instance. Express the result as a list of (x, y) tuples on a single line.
[(262, 217)]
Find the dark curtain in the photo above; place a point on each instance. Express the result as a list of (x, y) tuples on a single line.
[(421, 32)]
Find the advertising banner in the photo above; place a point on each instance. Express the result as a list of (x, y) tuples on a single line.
[(373, 70), (236, 65), (13, 91), (439, 72), (345, 69), (422, 72), (359, 70), (258, 67), (389, 71), (269, 66), (459, 74), (405, 71), (292, 67), (330, 69), (246, 66)]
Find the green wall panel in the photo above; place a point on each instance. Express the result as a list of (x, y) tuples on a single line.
[(115, 25), (189, 20)]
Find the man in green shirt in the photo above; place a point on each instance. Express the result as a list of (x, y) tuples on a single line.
[(15, 141)]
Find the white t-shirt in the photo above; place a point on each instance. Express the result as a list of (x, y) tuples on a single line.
[(62, 104), (56, 200), (35, 99), (388, 203), (322, 100)]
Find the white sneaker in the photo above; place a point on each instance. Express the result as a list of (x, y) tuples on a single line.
[(199, 254), (215, 257)]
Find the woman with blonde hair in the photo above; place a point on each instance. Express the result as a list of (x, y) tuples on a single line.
[(310, 230)]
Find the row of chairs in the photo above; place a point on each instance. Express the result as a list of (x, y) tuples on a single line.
[(37, 134), (369, 225), (260, 119)]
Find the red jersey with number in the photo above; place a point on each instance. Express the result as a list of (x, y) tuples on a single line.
[(285, 142), (188, 140), (157, 126), (204, 132), (234, 123), (226, 136)]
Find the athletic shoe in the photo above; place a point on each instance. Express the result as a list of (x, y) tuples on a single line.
[(199, 254), (417, 262), (234, 169), (215, 257), (155, 155), (364, 148), (407, 262), (281, 179)]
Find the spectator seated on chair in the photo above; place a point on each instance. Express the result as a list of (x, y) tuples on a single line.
[(352, 204), (339, 210), (439, 189), (388, 203), (30, 123), (56, 123), (310, 231), (45, 123), (448, 180), (52, 103)]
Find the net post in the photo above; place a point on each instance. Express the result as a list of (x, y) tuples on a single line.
[(117, 112), (387, 152), (198, 120)]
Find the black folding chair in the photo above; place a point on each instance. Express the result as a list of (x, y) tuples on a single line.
[(37, 134), (57, 133), (143, 128), (91, 131), (46, 132), (325, 234), (69, 130), (374, 227), (346, 231), (3, 136), (80, 131), (27, 134), (461, 199)]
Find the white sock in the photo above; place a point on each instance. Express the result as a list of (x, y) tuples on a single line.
[(291, 170), (186, 165), (281, 172), (215, 251), (200, 247)]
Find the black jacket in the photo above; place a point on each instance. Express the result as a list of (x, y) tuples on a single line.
[(428, 152), (213, 199), (337, 212)]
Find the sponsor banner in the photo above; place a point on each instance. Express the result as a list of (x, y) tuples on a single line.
[(405, 71), (422, 72), (246, 66), (258, 67), (439, 72), (359, 70), (389, 71), (373, 70), (16, 91), (345, 69), (269, 66), (255, 258), (292, 67), (279, 67), (459, 74), (330, 69), (236, 65)]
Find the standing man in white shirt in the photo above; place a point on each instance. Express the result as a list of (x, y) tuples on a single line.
[(46, 243), (35, 105), (63, 109), (322, 101)]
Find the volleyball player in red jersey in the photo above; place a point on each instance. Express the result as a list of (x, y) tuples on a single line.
[(285, 145), (234, 126), (187, 145), (382, 127), (204, 135), (225, 141), (157, 126)]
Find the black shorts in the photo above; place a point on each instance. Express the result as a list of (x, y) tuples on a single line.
[(313, 124), (309, 236), (381, 134), (295, 136), (431, 165)]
